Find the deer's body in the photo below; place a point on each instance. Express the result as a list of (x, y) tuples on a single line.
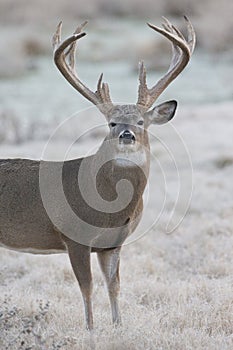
[(25, 225), (22, 213), (31, 224)]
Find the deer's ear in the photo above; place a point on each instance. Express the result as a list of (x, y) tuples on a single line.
[(161, 114)]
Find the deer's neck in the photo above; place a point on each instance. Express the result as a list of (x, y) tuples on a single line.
[(110, 167), (96, 193)]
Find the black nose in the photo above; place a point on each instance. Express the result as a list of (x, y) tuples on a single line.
[(127, 137)]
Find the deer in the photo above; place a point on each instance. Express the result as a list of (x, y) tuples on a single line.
[(116, 174)]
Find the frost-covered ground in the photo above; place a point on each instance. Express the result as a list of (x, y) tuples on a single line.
[(176, 289)]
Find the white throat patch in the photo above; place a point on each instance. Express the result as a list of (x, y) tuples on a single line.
[(129, 158)]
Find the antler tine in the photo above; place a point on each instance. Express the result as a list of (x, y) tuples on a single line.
[(176, 50), (142, 90), (191, 35), (171, 28), (167, 24), (99, 84), (106, 92), (57, 36), (182, 51), (71, 50), (64, 58)]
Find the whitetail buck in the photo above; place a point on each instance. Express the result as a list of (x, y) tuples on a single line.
[(25, 223)]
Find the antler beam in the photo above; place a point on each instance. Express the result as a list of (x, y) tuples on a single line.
[(182, 51), (64, 58)]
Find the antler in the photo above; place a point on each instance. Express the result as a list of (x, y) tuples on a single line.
[(182, 51), (64, 58)]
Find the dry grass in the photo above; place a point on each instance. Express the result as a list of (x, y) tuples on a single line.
[(176, 294), (176, 289)]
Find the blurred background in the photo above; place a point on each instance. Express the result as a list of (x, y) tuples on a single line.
[(34, 98)]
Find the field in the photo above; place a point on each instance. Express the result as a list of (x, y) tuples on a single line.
[(176, 288)]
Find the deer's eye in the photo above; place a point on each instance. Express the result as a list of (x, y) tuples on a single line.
[(141, 122), (112, 125)]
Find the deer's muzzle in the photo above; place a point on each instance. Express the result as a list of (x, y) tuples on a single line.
[(127, 137)]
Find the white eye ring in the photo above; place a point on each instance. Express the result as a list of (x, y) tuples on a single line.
[(141, 122)]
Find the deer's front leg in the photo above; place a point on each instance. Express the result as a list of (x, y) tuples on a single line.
[(80, 261), (109, 261)]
